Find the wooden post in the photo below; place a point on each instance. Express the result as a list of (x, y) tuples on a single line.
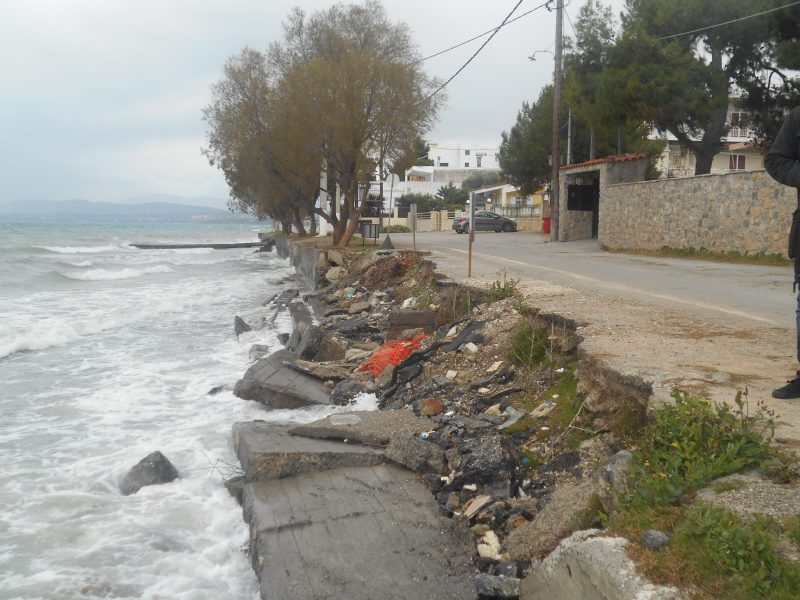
[(554, 187)]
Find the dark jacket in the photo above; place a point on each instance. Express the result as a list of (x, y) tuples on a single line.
[(781, 162), (783, 166)]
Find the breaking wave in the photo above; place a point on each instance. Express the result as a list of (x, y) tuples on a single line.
[(127, 273), (76, 249)]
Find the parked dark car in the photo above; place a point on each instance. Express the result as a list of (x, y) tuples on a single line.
[(485, 221)]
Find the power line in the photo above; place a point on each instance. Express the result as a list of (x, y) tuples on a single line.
[(479, 36), (483, 45), (575, 33), (758, 14)]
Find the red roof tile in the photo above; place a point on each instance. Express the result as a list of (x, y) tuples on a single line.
[(608, 159)]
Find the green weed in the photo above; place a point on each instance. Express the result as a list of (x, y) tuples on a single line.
[(691, 443)]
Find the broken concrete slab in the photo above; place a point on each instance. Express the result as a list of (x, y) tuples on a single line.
[(272, 383), (374, 428), (567, 507), (416, 454), (356, 533), (585, 566), (267, 451)]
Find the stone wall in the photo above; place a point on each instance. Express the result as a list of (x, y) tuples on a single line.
[(742, 212)]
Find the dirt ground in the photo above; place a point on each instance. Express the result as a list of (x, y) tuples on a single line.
[(667, 344)]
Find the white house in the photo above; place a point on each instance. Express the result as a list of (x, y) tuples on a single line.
[(740, 152), (463, 157)]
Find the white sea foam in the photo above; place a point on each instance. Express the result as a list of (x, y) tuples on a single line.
[(82, 263), (117, 372), (76, 249), (108, 275)]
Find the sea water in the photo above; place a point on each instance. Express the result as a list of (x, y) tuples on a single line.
[(107, 353)]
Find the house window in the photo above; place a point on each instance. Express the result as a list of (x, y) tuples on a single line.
[(736, 162), (466, 152), (444, 164), (739, 122), (466, 164), (479, 162)]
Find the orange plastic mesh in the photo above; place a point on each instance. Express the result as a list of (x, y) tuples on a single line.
[(392, 352)]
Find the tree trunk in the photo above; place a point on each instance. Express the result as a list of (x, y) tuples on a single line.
[(298, 221), (592, 144)]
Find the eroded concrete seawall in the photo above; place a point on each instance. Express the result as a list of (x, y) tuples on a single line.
[(305, 259)]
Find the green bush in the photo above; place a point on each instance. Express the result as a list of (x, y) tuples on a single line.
[(507, 288), (691, 443)]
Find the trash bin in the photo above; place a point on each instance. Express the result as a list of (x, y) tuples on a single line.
[(546, 224)]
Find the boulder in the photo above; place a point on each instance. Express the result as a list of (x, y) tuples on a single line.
[(386, 376), (410, 334), (217, 389), (358, 307), (480, 460), (431, 407), (335, 258), (416, 454), (235, 486), (334, 274), (332, 347), (240, 327), (586, 566), (346, 390), (653, 539), (153, 469), (283, 338)]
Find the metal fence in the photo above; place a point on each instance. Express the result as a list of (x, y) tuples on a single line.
[(518, 212)]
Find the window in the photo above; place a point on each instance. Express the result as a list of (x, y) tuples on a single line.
[(479, 162), (444, 164), (466, 152), (466, 164), (736, 162)]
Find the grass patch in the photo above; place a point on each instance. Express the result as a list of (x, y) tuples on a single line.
[(712, 552), (530, 346), (691, 443), (396, 229), (568, 402), (730, 485), (759, 258), (791, 527)]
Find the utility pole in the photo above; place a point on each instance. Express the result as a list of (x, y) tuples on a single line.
[(569, 136), (554, 187)]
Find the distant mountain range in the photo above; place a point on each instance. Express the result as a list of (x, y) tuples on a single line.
[(143, 208)]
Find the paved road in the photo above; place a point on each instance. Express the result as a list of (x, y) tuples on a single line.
[(706, 327), (755, 293)]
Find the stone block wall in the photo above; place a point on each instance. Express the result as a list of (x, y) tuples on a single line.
[(746, 212)]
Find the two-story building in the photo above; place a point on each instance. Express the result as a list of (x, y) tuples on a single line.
[(740, 151)]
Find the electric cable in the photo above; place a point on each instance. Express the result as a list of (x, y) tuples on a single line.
[(479, 36), (758, 14), (482, 46)]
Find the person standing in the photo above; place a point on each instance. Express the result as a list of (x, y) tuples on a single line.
[(783, 166)]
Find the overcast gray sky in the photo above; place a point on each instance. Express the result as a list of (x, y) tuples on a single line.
[(102, 99)]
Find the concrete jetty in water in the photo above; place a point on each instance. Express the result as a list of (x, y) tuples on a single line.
[(265, 244)]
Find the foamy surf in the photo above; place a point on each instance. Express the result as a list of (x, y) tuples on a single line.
[(77, 249), (109, 275), (104, 367)]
